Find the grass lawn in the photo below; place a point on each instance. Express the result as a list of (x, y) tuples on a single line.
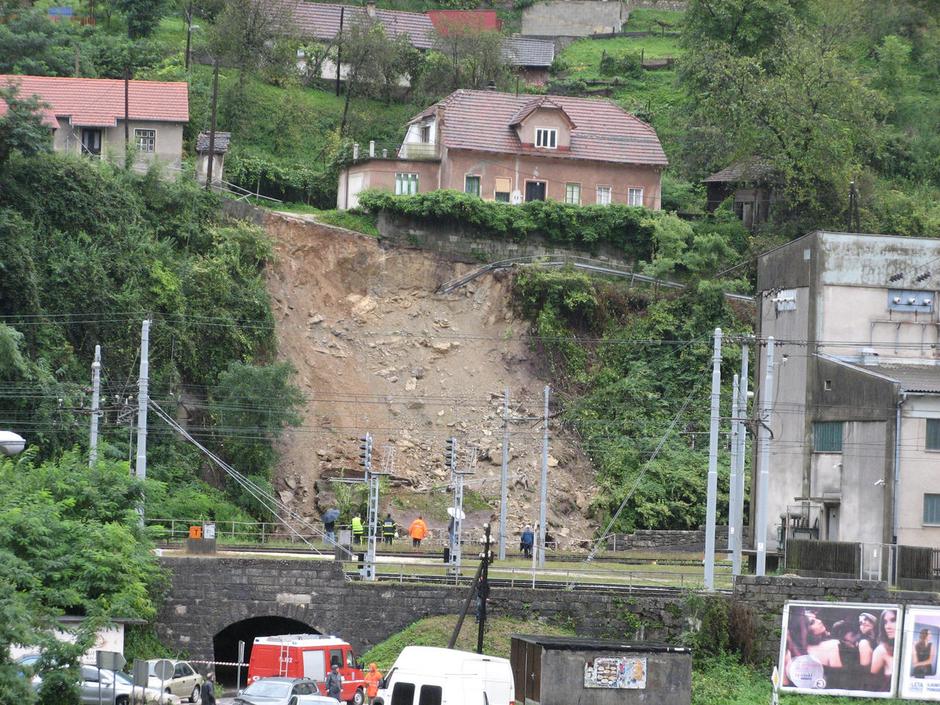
[(645, 20), (583, 57)]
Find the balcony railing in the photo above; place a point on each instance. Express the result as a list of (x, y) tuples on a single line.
[(419, 150)]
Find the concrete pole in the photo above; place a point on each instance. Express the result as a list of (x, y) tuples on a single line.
[(543, 485), (504, 479), (95, 405), (760, 513), (733, 466), (712, 490), (143, 397), (739, 477)]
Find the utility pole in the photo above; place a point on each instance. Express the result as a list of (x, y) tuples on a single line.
[(95, 401), (339, 47), (189, 33), (483, 589), (712, 489), (450, 456), (143, 398), (504, 479), (733, 465), (543, 484), (760, 514), (372, 483), (215, 102), (739, 476), (127, 110)]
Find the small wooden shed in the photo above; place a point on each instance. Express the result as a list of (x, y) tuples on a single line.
[(555, 670), (220, 147)]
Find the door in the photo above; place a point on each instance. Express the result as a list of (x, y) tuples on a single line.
[(91, 142), (354, 187), (314, 664), (832, 524), (534, 190)]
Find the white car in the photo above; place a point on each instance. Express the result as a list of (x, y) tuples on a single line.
[(184, 683)]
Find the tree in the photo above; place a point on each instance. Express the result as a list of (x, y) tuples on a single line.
[(142, 16), (247, 32), (745, 27), (475, 55), (21, 128)]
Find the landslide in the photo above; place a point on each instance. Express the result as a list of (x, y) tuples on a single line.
[(376, 349)]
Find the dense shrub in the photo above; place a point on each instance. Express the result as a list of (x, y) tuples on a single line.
[(627, 228)]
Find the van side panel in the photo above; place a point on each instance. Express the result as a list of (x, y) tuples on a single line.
[(263, 662), (314, 664)]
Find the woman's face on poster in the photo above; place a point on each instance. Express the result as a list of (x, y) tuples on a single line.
[(888, 620), (866, 626), (815, 625)]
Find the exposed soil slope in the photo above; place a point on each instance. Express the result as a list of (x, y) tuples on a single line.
[(377, 350)]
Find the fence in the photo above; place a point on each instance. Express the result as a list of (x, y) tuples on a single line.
[(907, 567)]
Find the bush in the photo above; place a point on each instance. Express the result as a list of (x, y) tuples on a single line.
[(627, 228), (629, 65)]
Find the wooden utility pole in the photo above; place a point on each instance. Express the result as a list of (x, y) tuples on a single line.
[(339, 47), (127, 109), (483, 590), (215, 100), (189, 32)]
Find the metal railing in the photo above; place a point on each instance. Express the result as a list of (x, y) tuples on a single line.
[(416, 151)]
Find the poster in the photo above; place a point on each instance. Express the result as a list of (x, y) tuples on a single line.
[(920, 679), (832, 648), (615, 672)]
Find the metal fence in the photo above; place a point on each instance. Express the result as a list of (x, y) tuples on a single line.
[(907, 567)]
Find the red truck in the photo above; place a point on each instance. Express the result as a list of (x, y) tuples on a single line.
[(307, 656)]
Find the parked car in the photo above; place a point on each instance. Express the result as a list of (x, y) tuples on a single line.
[(185, 682), (276, 691), (425, 674), (313, 700), (112, 684)]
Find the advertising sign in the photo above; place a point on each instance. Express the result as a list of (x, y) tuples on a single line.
[(831, 648), (615, 672), (920, 679)]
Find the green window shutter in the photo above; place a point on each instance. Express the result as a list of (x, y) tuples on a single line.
[(933, 434), (827, 436)]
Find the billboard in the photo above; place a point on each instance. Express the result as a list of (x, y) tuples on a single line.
[(829, 648), (920, 679)]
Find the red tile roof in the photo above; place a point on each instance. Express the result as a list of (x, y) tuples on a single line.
[(99, 102), (321, 21), (481, 121), (476, 20)]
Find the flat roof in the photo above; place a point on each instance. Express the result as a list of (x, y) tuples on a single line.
[(567, 643)]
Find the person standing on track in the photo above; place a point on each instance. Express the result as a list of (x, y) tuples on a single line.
[(373, 677), (357, 529), (526, 541), (418, 530), (388, 529)]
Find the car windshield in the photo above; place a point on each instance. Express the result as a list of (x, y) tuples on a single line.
[(122, 677), (268, 690)]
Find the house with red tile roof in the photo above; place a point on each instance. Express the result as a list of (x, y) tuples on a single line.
[(515, 148), (447, 21), (86, 115)]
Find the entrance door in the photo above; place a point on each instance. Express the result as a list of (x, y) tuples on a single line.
[(535, 190), (832, 524), (91, 142)]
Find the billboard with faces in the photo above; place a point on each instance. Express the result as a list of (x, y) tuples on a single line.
[(829, 648), (918, 670)]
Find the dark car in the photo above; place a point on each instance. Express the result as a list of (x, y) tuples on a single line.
[(276, 691)]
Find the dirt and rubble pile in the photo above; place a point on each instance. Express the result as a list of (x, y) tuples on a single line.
[(376, 349)]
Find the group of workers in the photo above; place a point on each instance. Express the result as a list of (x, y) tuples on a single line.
[(417, 531)]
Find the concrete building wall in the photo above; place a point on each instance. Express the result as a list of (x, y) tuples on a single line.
[(380, 174), (168, 142), (920, 472), (542, 118), (572, 18), (860, 514)]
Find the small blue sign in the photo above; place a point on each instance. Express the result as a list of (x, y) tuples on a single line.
[(60, 11)]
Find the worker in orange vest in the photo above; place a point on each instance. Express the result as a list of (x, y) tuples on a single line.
[(373, 677), (418, 530)]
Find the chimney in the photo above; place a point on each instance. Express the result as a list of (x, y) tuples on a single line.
[(384, 154), (869, 357), (371, 149), (491, 86), (355, 151), (370, 9)]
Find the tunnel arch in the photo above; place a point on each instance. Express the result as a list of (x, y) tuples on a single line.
[(225, 641)]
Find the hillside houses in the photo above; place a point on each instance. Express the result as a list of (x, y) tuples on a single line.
[(514, 148)]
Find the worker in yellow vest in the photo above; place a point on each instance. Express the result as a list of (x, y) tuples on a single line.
[(357, 529)]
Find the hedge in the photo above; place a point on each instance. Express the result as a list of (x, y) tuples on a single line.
[(627, 228)]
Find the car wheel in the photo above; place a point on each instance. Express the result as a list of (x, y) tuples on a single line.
[(121, 700), (194, 696), (359, 698)]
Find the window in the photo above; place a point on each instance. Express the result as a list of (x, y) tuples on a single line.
[(573, 194), (932, 508), (403, 694), (471, 185), (406, 184), (503, 189), (603, 195), (426, 134), (827, 437), (933, 434), (336, 657), (350, 659), (634, 197), (430, 695), (305, 689), (146, 140), (546, 138)]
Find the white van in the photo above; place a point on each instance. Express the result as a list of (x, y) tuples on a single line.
[(425, 675)]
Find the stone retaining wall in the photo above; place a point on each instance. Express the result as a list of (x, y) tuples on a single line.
[(665, 540)]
